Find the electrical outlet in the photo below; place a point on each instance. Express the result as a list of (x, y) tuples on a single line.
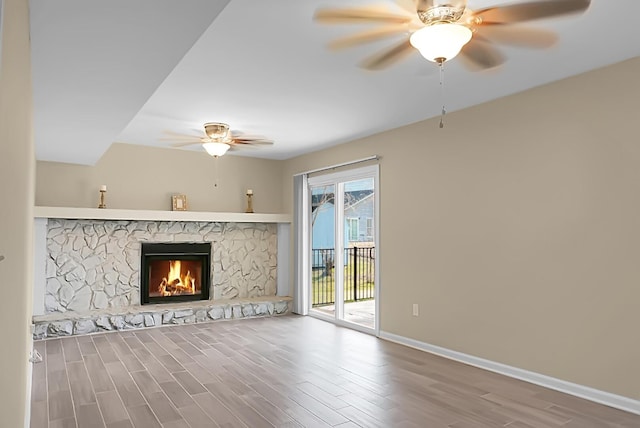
[(416, 310)]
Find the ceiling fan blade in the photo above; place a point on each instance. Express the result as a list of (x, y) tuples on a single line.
[(176, 135), (410, 6), (250, 142), (245, 147), (479, 55), (184, 144), (368, 36), (183, 141), (359, 14), (387, 57), (518, 35), (531, 10), (237, 135), (236, 147)]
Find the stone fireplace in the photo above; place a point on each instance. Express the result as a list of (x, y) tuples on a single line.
[(91, 266), (175, 272), (96, 264)]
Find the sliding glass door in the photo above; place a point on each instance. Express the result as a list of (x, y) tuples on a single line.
[(343, 286)]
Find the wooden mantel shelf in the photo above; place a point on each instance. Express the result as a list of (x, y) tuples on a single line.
[(156, 215)]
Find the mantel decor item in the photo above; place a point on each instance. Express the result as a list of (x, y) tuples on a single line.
[(179, 203), (103, 195), (249, 201)]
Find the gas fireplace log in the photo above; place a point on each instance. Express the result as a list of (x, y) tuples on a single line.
[(174, 288), (163, 287), (179, 287)]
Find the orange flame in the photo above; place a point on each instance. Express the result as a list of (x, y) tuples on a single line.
[(175, 283)]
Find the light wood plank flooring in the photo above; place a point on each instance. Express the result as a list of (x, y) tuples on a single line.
[(285, 372)]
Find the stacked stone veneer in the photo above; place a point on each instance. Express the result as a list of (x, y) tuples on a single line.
[(95, 264)]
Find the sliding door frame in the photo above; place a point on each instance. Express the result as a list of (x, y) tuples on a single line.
[(338, 179)]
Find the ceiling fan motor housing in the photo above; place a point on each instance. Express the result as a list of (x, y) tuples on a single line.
[(216, 130), (442, 11)]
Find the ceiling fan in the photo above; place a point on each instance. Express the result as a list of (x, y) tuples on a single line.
[(440, 29), (217, 139)]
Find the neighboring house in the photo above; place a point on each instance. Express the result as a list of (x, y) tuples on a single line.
[(322, 234), (323, 226), (359, 218), (358, 223)]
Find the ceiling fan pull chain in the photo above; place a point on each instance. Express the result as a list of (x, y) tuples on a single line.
[(444, 111), (215, 168)]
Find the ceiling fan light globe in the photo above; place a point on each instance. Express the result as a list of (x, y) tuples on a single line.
[(440, 41), (216, 149)]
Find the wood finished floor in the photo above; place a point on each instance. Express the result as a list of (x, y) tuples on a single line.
[(284, 372)]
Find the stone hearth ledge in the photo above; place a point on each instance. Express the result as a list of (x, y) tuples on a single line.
[(136, 317)]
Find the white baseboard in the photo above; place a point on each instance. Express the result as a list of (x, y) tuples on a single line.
[(588, 393)]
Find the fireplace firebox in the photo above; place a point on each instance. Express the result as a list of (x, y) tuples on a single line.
[(175, 271)]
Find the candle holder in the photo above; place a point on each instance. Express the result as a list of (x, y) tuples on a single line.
[(249, 201), (103, 195)]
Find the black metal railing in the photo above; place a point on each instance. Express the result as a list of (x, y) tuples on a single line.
[(359, 275)]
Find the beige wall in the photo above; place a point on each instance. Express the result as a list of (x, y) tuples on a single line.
[(139, 177), (16, 212), (516, 228)]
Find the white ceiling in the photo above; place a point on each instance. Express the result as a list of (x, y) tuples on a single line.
[(128, 71)]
